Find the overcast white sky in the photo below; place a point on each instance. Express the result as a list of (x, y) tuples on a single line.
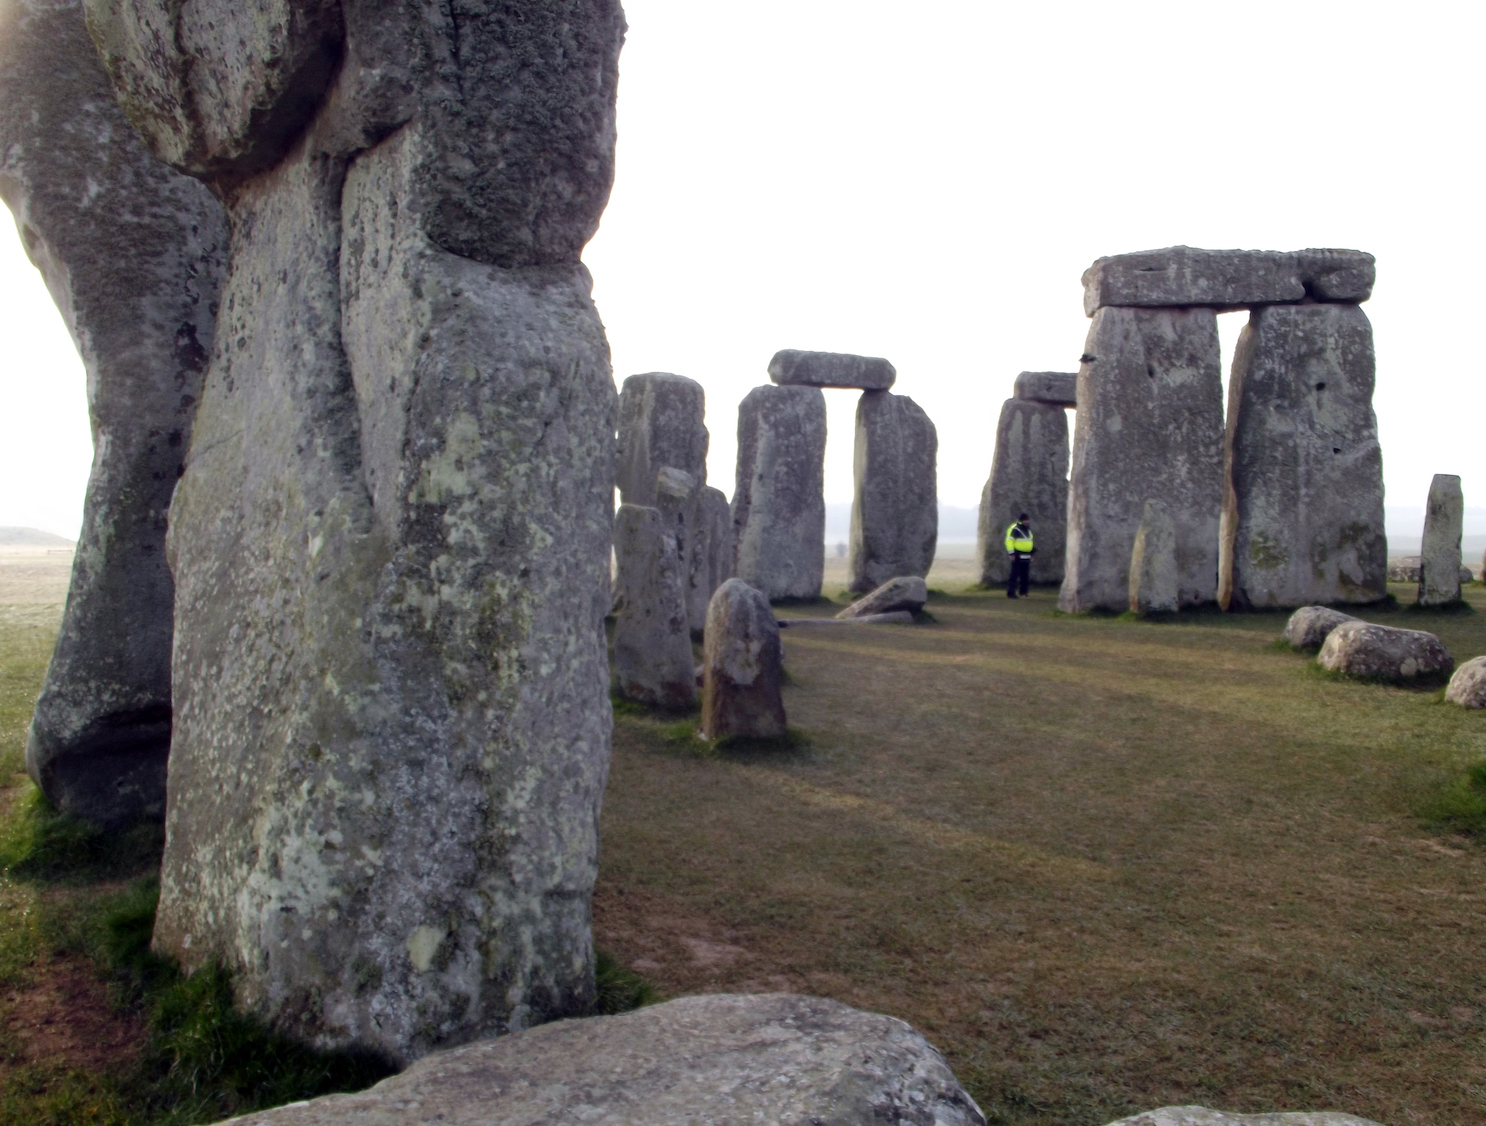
[(928, 181)]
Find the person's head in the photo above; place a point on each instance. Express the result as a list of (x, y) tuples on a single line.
[(1022, 518)]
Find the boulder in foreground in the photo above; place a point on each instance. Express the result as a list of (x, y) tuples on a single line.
[(1384, 653), (1468, 685), (1202, 1116), (906, 592), (1309, 626)]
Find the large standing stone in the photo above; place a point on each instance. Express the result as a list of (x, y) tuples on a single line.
[(652, 639), (132, 253), (1029, 473), (678, 497), (779, 507), (1154, 584), (895, 508), (1149, 427), (660, 424), (793, 367), (742, 666), (391, 538), (1303, 489), (1181, 276), (1375, 652), (1059, 388), (1439, 558), (716, 541)]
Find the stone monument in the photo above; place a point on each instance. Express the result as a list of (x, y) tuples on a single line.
[(895, 505), (652, 640), (1029, 473), (1439, 557)]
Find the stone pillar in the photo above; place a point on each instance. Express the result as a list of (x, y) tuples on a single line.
[(716, 522), (1029, 473), (1153, 579), (652, 640), (1149, 427), (132, 253), (1303, 471), (895, 509), (779, 508), (742, 666), (1439, 557), (660, 423), (392, 717)]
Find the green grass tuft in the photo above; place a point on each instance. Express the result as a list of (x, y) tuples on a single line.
[(38, 844), (620, 989), (1459, 806)]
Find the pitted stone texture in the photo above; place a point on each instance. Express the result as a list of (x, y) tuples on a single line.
[(1309, 626), (1154, 583), (1149, 427), (895, 507), (716, 522), (652, 640), (660, 424), (831, 369), (906, 592), (767, 1058), (1056, 388), (679, 498), (1439, 559), (1383, 652), (1029, 473), (1468, 684), (779, 507), (132, 254), (742, 666), (1303, 489), (1202, 1116), (1183, 276)]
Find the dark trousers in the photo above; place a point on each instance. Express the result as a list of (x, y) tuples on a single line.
[(1021, 574)]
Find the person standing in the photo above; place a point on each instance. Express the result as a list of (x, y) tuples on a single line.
[(1020, 547)]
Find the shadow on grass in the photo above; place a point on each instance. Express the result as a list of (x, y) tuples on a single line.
[(40, 845), (1425, 683)]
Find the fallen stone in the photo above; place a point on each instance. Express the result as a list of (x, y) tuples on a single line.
[(1149, 427), (743, 663), (1056, 388), (1468, 684), (906, 592), (132, 253), (712, 565), (1440, 569), (1303, 494), (779, 508), (660, 424), (1154, 584), (890, 618), (895, 507), (1029, 473), (1383, 652), (1309, 626), (1184, 276), (652, 637), (1405, 569), (831, 369), (767, 1058), (1202, 1116)]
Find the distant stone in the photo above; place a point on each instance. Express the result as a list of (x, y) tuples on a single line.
[(831, 369), (1404, 569), (722, 1058), (660, 423), (1154, 585), (1029, 473), (1202, 1116), (1309, 626), (1182, 276), (743, 666), (906, 592), (891, 618), (1468, 684), (1056, 388), (1384, 652), (679, 500), (1440, 569), (712, 561), (895, 508), (652, 638)]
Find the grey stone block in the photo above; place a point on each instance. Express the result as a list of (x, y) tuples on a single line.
[(652, 637), (679, 500), (1056, 388), (742, 666), (1029, 473), (895, 509), (1154, 583), (1439, 561), (660, 423), (907, 592), (1375, 652), (713, 563), (1309, 626), (1468, 684), (1202, 1116), (831, 369)]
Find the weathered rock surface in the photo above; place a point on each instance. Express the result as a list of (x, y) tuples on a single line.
[(1029, 473), (391, 541), (652, 638), (1303, 471), (1154, 583), (905, 592), (132, 253), (660, 424), (1202, 1116), (712, 565), (831, 369), (779, 507), (767, 1058), (1227, 279), (895, 507), (1440, 569), (1309, 626), (1056, 388), (1384, 652), (1468, 684), (1149, 427), (679, 499), (743, 666)]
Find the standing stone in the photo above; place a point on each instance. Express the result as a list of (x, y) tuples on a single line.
[(652, 640), (1149, 427), (742, 666), (1303, 471), (1439, 563), (132, 254), (392, 719), (1029, 473), (1059, 388), (895, 509), (1154, 584), (793, 367), (779, 507), (716, 522), (660, 423), (678, 498)]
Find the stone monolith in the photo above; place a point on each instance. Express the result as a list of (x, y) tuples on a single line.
[(778, 507), (660, 423), (1029, 473), (715, 565), (1149, 427), (895, 508), (678, 497), (1303, 471), (1059, 388), (652, 638), (792, 367), (392, 536), (1154, 584), (1439, 557), (132, 253), (1181, 276), (742, 666)]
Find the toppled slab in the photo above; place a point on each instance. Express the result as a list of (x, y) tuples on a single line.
[(906, 592), (1227, 279), (1202, 1116), (1376, 652), (891, 618), (1309, 626), (831, 369), (1055, 388), (1468, 684)]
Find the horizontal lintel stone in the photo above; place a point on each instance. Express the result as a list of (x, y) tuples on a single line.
[(831, 369), (1053, 387)]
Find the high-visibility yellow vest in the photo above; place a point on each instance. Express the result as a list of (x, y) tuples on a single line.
[(1023, 546)]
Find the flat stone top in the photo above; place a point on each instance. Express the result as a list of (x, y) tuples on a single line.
[(831, 369), (1227, 279), (1056, 388)]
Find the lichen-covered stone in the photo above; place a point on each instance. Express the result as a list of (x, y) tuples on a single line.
[(132, 252), (660, 424), (652, 639), (895, 506), (1056, 388), (1029, 473), (1202, 1116), (905, 592), (1181, 276), (678, 497), (1375, 652), (793, 367), (712, 563), (1154, 583), (1303, 471), (779, 507), (1309, 626), (1149, 427), (742, 666), (1439, 558), (1468, 684)]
